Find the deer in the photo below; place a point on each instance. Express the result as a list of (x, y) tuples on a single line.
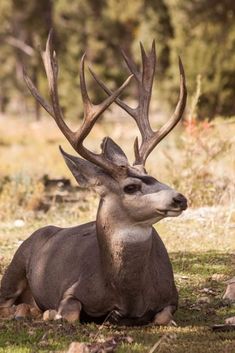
[(116, 266)]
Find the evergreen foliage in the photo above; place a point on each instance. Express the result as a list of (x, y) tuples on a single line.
[(201, 31)]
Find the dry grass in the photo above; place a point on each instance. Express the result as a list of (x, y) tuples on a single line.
[(197, 160)]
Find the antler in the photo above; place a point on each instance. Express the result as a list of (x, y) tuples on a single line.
[(91, 111), (144, 80)]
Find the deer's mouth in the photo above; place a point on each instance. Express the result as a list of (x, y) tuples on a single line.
[(170, 212)]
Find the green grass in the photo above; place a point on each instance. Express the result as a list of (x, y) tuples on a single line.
[(194, 317)]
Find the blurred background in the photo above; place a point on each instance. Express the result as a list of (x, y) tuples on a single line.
[(197, 158), (201, 31)]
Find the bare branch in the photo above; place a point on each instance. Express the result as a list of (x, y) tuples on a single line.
[(18, 43)]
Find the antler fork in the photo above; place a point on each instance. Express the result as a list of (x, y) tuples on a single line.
[(144, 80), (91, 111)]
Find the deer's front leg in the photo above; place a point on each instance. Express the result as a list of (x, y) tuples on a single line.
[(164, 317), (69, 309)]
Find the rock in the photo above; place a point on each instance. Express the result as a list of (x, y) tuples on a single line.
[(78, 347), (230, 320), (49, 315), (230, 290), (22, 312), (7, 313)]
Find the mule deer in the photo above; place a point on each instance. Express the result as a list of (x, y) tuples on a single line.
[(116, 265)]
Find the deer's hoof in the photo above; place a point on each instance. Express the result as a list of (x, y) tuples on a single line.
[(72, 316), (50, 315), (164, 317)]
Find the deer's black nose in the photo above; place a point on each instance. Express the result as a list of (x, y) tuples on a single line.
[(180, 201)]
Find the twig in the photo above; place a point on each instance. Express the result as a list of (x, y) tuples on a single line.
[(156, 345), (168, 337), (102, 325), (15, 42), (195, 98)]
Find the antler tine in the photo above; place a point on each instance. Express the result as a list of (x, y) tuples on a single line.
[(131, 66), (149, 64), (145, 82), (95, 110), (158, 135), (85, 97), (122, 104), (91, 114), (176, 116), (150, 138), (91, 111), (51, 68)]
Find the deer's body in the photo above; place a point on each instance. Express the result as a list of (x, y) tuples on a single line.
[(117, 265), (101, 288)]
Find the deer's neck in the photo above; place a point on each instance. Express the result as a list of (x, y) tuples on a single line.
[(125, 247)]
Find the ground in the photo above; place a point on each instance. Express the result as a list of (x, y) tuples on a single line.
[(201, 243)]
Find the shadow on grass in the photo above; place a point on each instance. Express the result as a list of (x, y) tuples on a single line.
[(200, 278), (203, 263)]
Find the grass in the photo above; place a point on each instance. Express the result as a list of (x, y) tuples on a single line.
[(194, 317), (201, 243), (200, 306)]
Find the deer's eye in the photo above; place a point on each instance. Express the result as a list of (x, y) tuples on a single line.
[(132, 188)]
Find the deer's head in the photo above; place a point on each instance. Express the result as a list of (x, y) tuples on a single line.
[(128, 189)]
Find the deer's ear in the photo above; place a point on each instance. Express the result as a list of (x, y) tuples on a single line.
[(86, 173), (113, 152)]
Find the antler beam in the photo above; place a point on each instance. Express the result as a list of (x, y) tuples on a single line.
[(91, 111)]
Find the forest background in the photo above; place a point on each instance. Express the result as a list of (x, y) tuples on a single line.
[(201, 32)]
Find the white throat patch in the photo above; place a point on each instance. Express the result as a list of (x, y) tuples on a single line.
[(132, 234)]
